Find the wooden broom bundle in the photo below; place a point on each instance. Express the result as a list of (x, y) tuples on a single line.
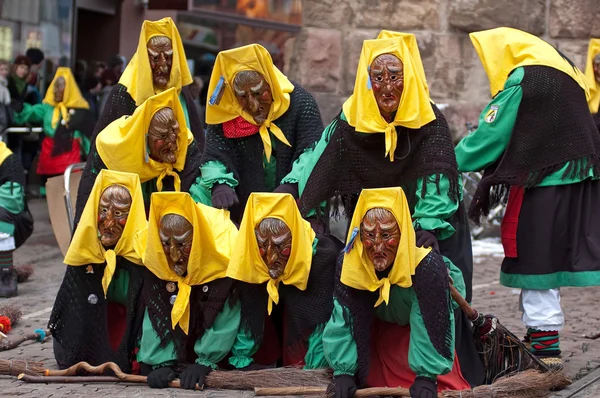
[(16, 367)]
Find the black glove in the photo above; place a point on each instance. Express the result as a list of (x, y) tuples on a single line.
[(317, 225), (254, 366), (292, 189), (345, 386), (427, 239), (192, 375), (223, 196), (160, 378), (423, 387)]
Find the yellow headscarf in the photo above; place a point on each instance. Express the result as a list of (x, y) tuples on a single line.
[(361, 108), (72, 97), (358, 271), (4, 152), (227, 65), (86, 248), (137, 76), (122, 145), (593, 51), (214, 237), (411, 42), (501, 50), (248, 266)]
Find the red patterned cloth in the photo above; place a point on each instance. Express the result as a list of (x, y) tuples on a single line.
[(238, 128)]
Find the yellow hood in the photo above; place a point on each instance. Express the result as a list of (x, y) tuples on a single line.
[(72, 97), (593, 51)]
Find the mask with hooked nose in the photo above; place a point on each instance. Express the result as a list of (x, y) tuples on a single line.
[(176, 235)]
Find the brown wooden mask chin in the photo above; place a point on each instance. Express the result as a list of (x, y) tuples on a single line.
[(113, 211), (274, 240), (380, 236), (387, 80), (254, 95), (162, 136), (176, 235), (160, 55)]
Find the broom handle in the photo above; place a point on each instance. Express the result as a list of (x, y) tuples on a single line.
[(363, 392), (462, 303), (9, 345), (92, 379)]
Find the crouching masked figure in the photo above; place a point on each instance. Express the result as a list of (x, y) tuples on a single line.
[(286, 285), (190, 322), (95, 316), (392, 322)]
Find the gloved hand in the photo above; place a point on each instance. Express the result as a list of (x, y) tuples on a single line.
[(254, 366), (192, 375), (223, 196), (427, 239), (344, 385), (160, 378), (316, 225), (292, 189), (423, 387)]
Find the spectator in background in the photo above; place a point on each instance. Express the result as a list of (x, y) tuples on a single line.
[(80, 70), (17, 81), (98, 69), (196, 89), (108, 79), (33, 90), (117, 64), (5, 117)]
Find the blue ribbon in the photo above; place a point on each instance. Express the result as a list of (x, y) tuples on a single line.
[(41, 335)]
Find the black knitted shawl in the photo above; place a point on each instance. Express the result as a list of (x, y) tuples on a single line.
[(304, 310), (302, 126), (354, 161), (553, 127), (206, 302), (81, 327), (430, 283), (82, 120), (11, 171)]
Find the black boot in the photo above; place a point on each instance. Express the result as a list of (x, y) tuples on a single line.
[(8, 282)]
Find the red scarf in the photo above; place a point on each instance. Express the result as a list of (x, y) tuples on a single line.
[(238, 128)]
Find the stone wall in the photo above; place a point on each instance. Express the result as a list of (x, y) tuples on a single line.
[(324, 56)]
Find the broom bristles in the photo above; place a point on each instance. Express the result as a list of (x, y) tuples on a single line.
[(16, 367), (278, 377)]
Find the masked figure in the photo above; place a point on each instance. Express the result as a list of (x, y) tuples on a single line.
[(538, 138), (16, 222), (190, 321), (285, 289), (404, 141), (258, 125), (592, 74), (95, 316), (392, 322), (154, 143), (66, 121)]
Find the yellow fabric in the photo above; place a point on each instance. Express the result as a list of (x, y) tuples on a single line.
[(137, 76), (358, 271), (501, 50), (122, 145), (411, 42), (86, 248), (361, 108), (4, 152), (214, 237), (72, 97), (252, 57), (594, 99), (248, 266)]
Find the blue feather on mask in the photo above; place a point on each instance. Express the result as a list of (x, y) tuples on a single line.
[(350, 244)]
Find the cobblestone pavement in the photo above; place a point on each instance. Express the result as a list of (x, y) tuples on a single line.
[(36, 298)]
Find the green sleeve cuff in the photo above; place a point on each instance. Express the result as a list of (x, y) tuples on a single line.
[(339, 347), (239, 362), (164, 365), (298, 166), (206, 363), (315, 357), (7, 228), (216, 342), (200, 193), (243, 349), (215, 172), (433, 209)]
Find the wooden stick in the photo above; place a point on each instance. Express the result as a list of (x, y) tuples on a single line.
[(363, 392), (462, 303), (91, 379), (10, 344)]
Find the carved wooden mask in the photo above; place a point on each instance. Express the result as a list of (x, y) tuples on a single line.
[(113, 211), (160, 54), (380, 235), (176, 235), (274, 244), (254, 94), (387, 80), (162, 136)]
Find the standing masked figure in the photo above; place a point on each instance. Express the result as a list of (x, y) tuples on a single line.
[(190, 321), (537, 138), (285, 288), (258, 125), (592, 73), (95, 316), (66, 121), (154, 143), (392, 323), (404, 141)]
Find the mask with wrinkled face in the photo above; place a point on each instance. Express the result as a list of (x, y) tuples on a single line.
[(160, 54), (387, 80), (59, 89), (253, 93), (380, 236), (113, 211), (274, 244), (162, 136), (176, 235), (596, 64)]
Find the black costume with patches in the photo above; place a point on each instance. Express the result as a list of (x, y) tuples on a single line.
[(11, 172)]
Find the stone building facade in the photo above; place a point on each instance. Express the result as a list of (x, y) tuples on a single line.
[(324, 56)]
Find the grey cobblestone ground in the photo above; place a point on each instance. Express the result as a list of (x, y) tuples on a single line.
[(36, 297)]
